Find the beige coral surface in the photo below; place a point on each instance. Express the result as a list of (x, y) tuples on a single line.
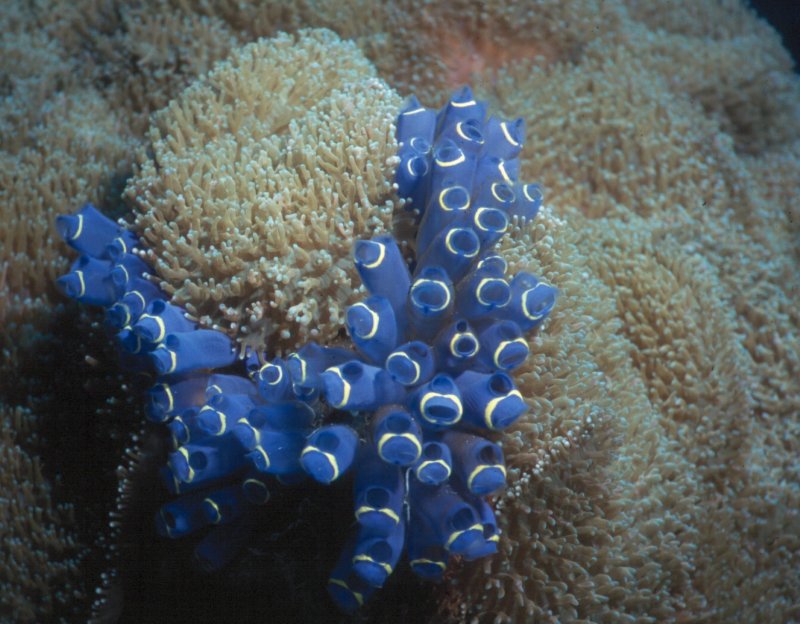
[(656, 478)]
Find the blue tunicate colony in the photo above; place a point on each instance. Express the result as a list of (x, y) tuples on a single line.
[(434, 343)]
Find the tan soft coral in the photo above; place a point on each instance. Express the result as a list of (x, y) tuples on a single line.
[(259, 179)]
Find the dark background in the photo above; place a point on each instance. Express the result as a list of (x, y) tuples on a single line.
[(784, 15)]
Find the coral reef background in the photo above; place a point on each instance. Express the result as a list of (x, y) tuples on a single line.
[(656, 478)]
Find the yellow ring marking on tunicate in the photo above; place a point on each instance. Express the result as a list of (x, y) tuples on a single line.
[(415, 111), (456, 337), (187, 433), (496, 196), (481, 468), (420, 282), (122, 244), (431, 395), (411, 172), (127, 312), (388, 436), (280, 373), (127, 275), (375, 321), (502, 346), (359, 598), (170, 397), (417, 370), (462, 104), (83, 283), (507, 134), (449, 244), (528, 315), (264, 454), (329, 456), (381, 256), (302, 366), (138, 294), (480, 287), (452, 163), (185, 452), (369, 559), (447, 208), (494, 538), (384, 510), (216, 509), (219, 390), (480, 225), (428, 561), (456, 534), (173, 359), (162, 330), (525, 192), (260, 484), (430, 462), (256, 432), (80, 228), (488, 412), (464, 136), (345, 386), (223, 422), (502, 168)]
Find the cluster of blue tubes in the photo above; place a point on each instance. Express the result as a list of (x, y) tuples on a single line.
[(428, 377)]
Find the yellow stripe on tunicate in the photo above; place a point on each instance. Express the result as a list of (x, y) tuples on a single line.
[(80, 228), (185, 452), (359, 598), (452, 163), (415, 111), (464, 136), (83, 283), (256, 432), (525, 192), (417, 370), (170, 397), (432, 395), (480, 226), (127, 312), (481, 468), (383, 510), (162, 330), (496, 196), (375, 321), (408, 436), (381, 255), (525, 311), (330, 457), (449, 244), (462, 104), (502, 346), (488, 412), (259, 484), (138, 294), (280, 373), (265, 455), (441, 564), (302, 366), (345, 386), (447, 208), (458, 336), (122, 243), (456, 534), (420, 282), (223, 422), (481, 284), (494, 538), (369, 559), (212, 386), (411, 172), (216, 510), (431, 462), (127, 275), (502, 168), (507, 134)]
